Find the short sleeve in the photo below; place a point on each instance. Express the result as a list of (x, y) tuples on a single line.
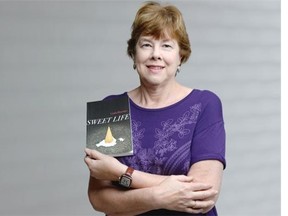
[(208, 141)]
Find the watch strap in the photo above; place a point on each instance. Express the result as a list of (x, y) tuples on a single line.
[(129, 171)]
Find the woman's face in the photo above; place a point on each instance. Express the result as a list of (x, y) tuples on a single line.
[(157, 60)]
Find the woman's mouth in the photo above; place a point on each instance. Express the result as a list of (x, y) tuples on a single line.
[(155, 68)]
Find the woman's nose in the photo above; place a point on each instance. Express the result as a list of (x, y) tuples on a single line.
[(156, 53)]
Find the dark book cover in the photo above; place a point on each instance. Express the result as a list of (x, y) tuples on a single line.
[(109, 126)]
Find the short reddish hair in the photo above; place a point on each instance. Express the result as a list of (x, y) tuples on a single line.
[(153, 19)]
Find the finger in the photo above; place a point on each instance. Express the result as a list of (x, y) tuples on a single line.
[(198, 186), (202, 195), (184, 178), (94, 154), (189, 178), (194, 210), (200, 204), (88, 151), (88, 160)]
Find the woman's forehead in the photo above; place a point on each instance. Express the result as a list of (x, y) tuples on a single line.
[(151, 38), (160, 35)]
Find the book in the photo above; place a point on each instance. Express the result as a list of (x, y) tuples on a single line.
[(108, 127)]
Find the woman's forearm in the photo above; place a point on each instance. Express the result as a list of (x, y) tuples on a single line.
[(112, 200), (210, 172), (149, 191), (176, 193), (144, 180), (104, 167)]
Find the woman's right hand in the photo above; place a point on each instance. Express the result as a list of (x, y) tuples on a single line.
[(103, 167), (181, 193)]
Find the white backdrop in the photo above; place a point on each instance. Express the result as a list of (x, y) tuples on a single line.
[(57, 55)]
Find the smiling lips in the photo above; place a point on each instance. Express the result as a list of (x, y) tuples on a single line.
[(155, 67)]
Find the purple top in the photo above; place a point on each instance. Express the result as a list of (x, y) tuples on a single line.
[(167, 141)]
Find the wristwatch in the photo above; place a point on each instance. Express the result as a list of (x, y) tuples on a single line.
[(125, 180)]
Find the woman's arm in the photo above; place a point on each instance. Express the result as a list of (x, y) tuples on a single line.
[(105, 167), (113, 200), (175, 193), (151, 191), (209, 172)]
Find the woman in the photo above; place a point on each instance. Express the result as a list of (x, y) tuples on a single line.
[(178, 132)]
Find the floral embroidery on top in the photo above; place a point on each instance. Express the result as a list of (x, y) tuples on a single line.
[(163, 143), (167, 154)]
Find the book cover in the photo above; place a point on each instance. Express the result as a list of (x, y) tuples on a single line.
[(109, 126)]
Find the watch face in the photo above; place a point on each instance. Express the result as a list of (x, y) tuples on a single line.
[(125, 181)]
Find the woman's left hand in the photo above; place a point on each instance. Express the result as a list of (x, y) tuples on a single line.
[(103, 167)]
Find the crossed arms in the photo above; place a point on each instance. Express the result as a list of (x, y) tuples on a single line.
[(195, 193)]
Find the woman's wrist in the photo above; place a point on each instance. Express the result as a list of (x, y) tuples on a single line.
[(119, 171), (156, 197)]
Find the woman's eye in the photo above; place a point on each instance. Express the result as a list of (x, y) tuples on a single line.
[(167, 46), (146, 45)]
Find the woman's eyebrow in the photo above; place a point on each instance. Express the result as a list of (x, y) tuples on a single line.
[(145, 39)]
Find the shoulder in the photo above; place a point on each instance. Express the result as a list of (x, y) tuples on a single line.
[(207, 98), (206, 95), (115, 96), (211, 104)]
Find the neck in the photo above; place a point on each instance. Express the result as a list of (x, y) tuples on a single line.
[(158, 97)]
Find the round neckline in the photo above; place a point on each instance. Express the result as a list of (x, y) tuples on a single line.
[(162, 108)]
